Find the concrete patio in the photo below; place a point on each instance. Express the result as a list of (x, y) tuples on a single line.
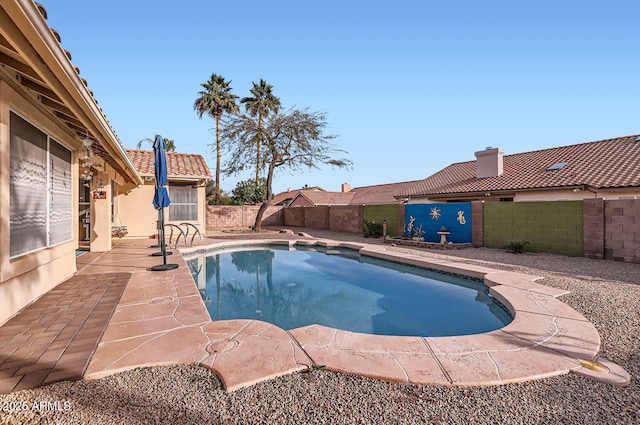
[(116, 314)]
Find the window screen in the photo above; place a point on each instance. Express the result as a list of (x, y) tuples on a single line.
[(40, 189), (61, 202), (184, 202)]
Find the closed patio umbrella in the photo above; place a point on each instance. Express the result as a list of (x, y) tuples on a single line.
[(161, 198)]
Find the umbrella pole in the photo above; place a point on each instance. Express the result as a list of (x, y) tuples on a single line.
[(164, 266), (163, 246)]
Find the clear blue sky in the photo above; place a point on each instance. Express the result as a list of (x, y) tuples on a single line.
[(408, 86)]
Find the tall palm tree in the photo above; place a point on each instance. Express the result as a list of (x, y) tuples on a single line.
[(261, 104), (215, 99), (171, 145)]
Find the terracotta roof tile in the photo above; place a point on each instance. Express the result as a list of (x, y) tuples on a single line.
[(178, 164), (380, 194), (290, 194), (327, 198), (611, 163)]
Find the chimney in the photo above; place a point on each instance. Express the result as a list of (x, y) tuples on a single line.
[(489, 162), (346, 187)]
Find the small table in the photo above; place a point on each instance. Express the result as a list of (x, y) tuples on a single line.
[(443, 236)]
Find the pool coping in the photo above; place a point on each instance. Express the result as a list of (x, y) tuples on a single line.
[(162, 319)]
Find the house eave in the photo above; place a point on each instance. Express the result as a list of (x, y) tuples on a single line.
[(38, 47), (495, 192)]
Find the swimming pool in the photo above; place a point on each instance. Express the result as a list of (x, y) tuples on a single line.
[(342, 289)]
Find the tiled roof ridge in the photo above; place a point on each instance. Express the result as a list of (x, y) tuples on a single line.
[(384, 184), (326, 197), (179, 164), (598, 164), (612, 139)]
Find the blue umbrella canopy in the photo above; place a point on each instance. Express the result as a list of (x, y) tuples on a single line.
[(161, 197)]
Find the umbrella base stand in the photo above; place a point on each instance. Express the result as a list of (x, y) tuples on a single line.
[(159, 254), (164, 267)]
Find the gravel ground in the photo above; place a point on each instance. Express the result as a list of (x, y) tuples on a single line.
[(607, 293)]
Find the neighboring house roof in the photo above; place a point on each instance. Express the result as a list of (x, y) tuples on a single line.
[(365, 195), (282, 197), (178, 164), (379, 194), (326, 198), (31, 53), (611, 163)]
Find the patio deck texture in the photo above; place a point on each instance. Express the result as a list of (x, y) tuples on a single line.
[(54, 338), (116, 314)]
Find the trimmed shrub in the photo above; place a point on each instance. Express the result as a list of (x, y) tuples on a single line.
[(516, 247)]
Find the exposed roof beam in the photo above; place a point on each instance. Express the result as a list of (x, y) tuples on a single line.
[(31, 37), (21, 67), (32, 85)]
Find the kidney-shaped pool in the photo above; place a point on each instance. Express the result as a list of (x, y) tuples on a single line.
[(339, 288)]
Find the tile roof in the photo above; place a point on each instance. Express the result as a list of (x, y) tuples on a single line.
[(380, 194), (611, 163), (327, 198), (178, 164), (290, 194), (32, 55)]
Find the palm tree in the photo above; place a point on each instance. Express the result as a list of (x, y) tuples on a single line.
[(171, 145), (262, 102), (215, 99)]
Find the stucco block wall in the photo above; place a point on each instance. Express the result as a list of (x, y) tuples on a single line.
[(401, 214), (294, 217), (346, 218), (379, 213), (241, 216), (593, 226), (477, 220), (316, 217), (339, 218), (622, 230), (555, 227)]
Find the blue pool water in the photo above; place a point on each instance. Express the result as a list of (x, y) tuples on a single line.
[(295, 288)]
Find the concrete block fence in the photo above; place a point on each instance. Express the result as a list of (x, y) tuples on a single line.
[(594, 228), (555, 227), (612, 229), (241, 216)]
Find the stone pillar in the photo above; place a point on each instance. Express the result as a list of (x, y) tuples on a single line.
[(477, 224), (593, 228), (101, 216)]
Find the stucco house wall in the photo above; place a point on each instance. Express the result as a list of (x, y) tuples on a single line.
[(46, 111), (301, 201), (137, 213), (26, 277), (570, 195), (534, 195)]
